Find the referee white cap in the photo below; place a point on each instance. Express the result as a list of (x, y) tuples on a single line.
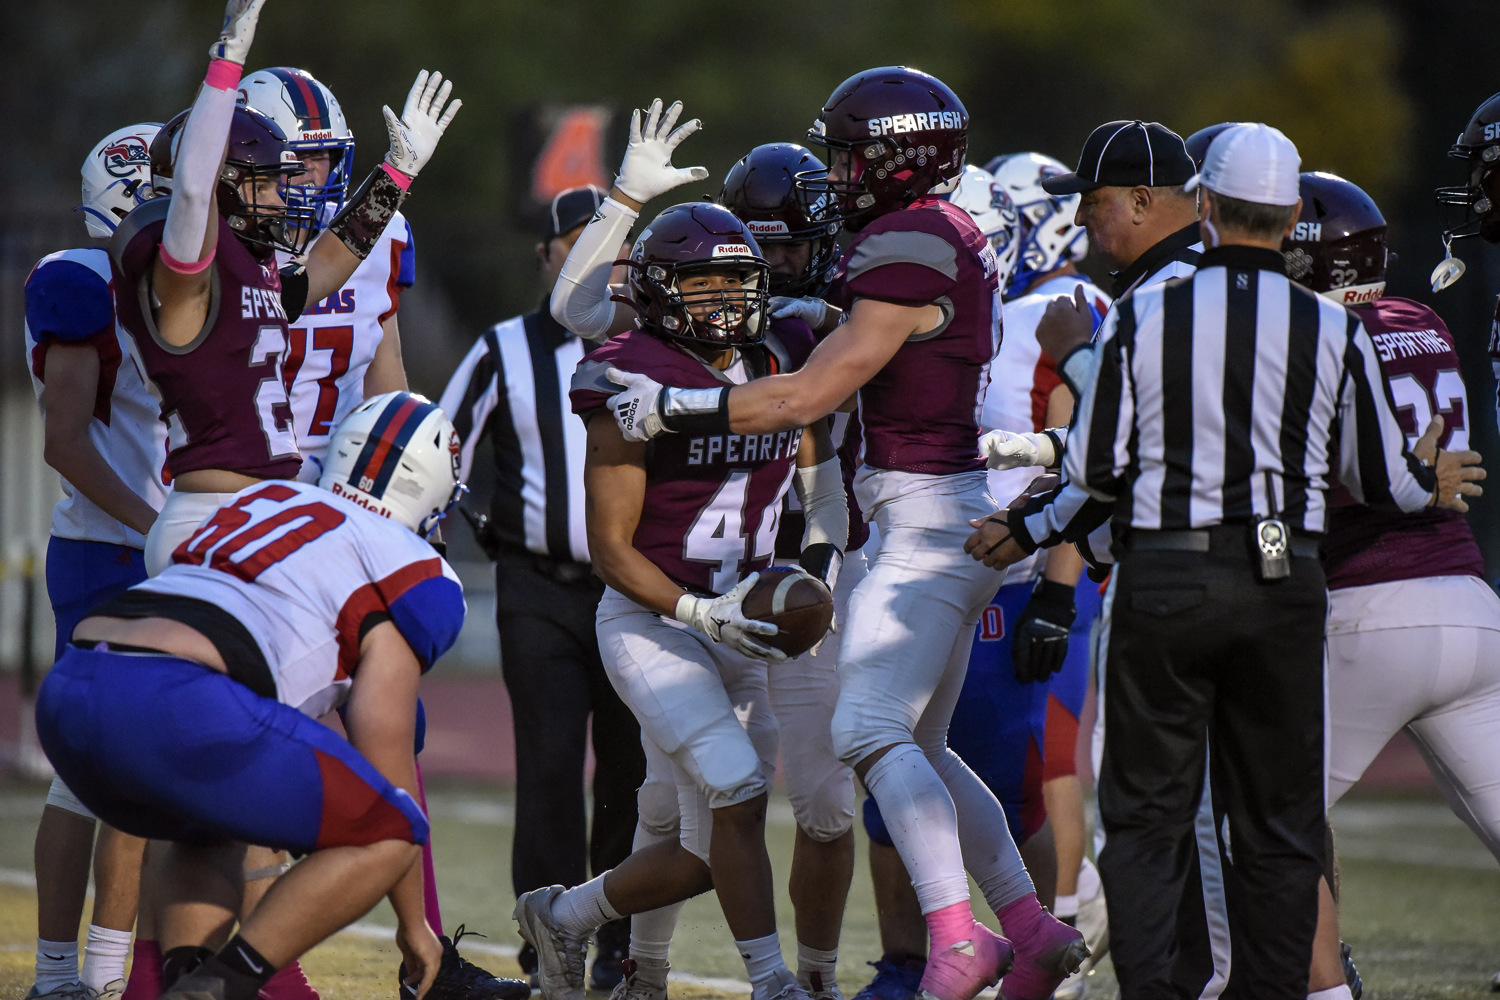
[(1251, 162)]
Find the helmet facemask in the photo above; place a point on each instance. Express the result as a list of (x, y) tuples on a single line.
[(730, 315), (265, 228)]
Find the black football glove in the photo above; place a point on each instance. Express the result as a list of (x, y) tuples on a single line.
[(1039, 643)]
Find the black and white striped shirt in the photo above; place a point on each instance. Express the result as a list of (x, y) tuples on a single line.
[(512, 387), (1210, 387)]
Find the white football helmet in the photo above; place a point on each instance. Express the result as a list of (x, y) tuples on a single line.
[(117, 177), (1050, 238), (311, 117), (994, 214), (397, 455)]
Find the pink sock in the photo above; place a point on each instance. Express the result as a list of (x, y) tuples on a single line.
[(145, 972), (429, 877), (1020, 919), (289, 984), (950, 925)]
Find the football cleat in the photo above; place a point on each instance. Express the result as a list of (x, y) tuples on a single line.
[(611, 951), (648, 982), (67, 991), (961, 971), (896, 978), (195, 987), (785, 989), (460, 979), (112, 990), (560, 956), (820, 988), (1050, 954)]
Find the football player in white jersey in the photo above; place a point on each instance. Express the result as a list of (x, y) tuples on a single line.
[(103, 438), (186, 708), (348, 346), (1051, 634)]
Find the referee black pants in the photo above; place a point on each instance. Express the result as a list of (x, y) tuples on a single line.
[(1201, 655), (550, 659)]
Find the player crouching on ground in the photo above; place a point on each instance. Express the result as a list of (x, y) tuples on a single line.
[(186, 709)]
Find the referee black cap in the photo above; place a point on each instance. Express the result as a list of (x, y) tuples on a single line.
[(1127, 154)]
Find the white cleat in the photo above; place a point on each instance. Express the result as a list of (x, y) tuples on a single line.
[(784, 989), (820, 988), (67, 991), (560, 956), (112, 990), (642, 982)]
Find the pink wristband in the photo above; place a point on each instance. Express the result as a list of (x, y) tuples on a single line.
[(179, 266), (223, 74), (402, 181)]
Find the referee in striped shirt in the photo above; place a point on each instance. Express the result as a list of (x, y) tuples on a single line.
[(1219, 404), (512, 388)]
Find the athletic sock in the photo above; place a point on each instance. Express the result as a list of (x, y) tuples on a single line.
[(921, 820), (764, 964), (145, 982), (583, 909), (178, 962), (104, 957), (1065, 907), (1089, 885), (651, 933), (817, 969), (1339, 992), (949, 925), (56, 964), (243, 969)]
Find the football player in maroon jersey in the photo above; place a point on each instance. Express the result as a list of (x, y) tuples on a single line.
[(1413, 628), (919, 326), (199, 290), (672, 634)]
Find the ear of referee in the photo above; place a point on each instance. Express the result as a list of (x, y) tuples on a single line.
[(1222, 406)]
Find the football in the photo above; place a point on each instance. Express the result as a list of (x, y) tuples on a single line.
[(801, 607)]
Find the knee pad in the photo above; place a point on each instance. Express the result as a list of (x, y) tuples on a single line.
[(825, 810), (656, 806), (856, 735), (875, 823), (61, 796)]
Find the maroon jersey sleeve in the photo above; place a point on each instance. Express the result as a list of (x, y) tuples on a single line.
[(893, 262), (1420, 365)]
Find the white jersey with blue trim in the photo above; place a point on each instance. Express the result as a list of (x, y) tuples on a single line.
[(70, 300), (1021, 384), (308, 573), (332, 343)]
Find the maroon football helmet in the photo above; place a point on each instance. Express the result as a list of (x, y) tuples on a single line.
[(1479, 147), (1337, 248), (893, 134), (688, 241), (1197, 144), (762, 190), (257, 147)]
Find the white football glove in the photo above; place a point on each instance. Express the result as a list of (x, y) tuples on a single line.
[(637, 407), (238, 32), (723, 620), (647, 169), (1004, 450), (813, 312), (415, 134)]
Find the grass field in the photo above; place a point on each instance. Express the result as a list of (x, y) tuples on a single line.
[(1421, 904)]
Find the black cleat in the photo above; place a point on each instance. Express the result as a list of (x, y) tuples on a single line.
[(612, 948), (460, 979), (1351, 974)]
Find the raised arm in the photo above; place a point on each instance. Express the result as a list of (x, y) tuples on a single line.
[(353, 233), (582, 299), (180, 278)]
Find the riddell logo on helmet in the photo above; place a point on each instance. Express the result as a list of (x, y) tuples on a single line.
[(921, 121), (775, 228), (732, 250), (326, 133), (1307, 232), (340, 490), (1361, 295)]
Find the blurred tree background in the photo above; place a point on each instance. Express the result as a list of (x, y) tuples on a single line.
[(1372, 90)]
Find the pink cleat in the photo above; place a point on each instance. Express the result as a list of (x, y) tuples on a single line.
[(1046, 956), (962, 970), (289, 984)]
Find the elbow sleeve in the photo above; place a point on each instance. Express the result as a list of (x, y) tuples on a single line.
[(580, 299), (196, 173)]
